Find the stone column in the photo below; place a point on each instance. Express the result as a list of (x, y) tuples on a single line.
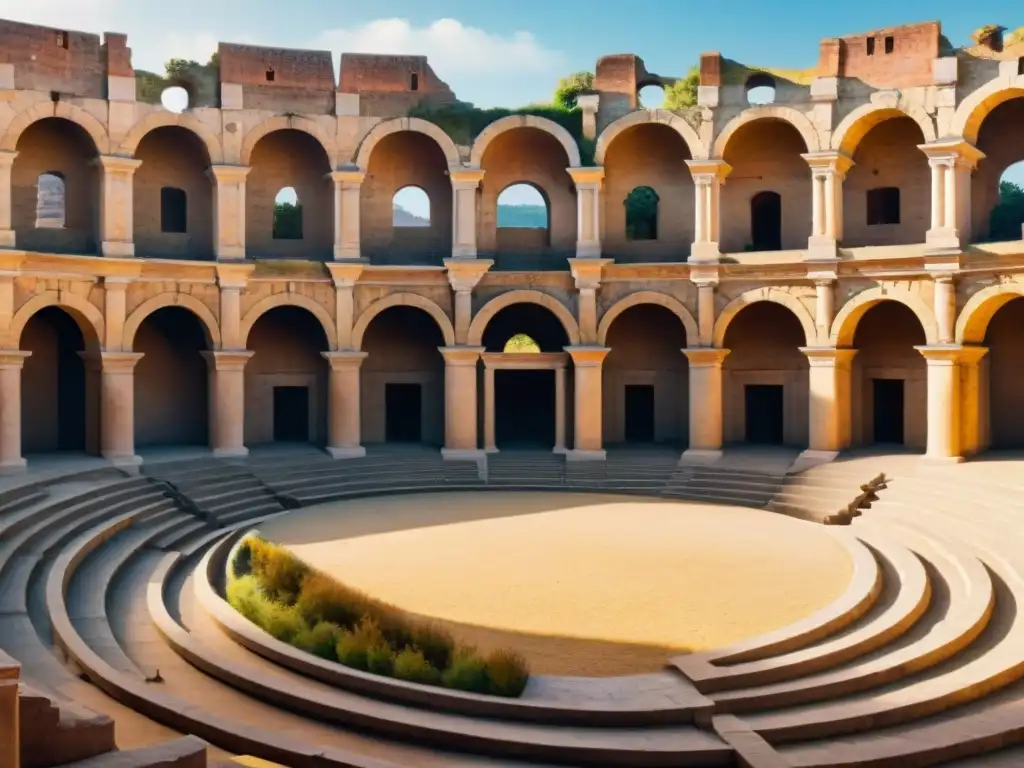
[(588, 211), (490, 445), (560, 409), (348, 185), (11, 364), (943, 402), (828, 170), (460, 404), (7, 239), (117, 407), (229, 210), (345, 276), (705, 404), (952, 162), (824, 305), (117, 220), (343, 405), (587, 438), (465, 182), (114, 311), (708, 178), (972, 415), (706, 311), (10, 726), (829, 402), (945, 308), (587, 273), (464, 275), (227, 401), (232, 279)]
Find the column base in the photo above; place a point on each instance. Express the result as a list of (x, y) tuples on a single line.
[(230, 453), (822, 249), (700, 456), (117, 250), (463, 454), (345, 451), (942, 241), (231, 253), (810, 458), (561, 450), (120, 460), (704, 253), (7, 239), (13, 466), (588, 250), (942, 460), (491, 449), (577, 454), (346, 253)]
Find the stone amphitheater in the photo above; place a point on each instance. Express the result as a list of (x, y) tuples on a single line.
[(819, 319)]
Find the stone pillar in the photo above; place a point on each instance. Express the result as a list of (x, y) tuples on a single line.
[(972, 415), (708, 178), (345, 276), (560, 409), (945, 308), (706, 311), (10, 726), (114, 311), (824, 304), (588, 211), (828, 170), (588, 412), (465, 182), (117, 407), (489, 442), (117, 220), (952, 162), (705, 404), (232, 279), (464, 275), (229, 210), (829, 401), (943, 402), (460, 404), (11, 364), (348, 185), (227, 401), (587, 273), (7, 239), (343, 405)]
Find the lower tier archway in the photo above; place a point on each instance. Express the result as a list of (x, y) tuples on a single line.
[(1002, 379)]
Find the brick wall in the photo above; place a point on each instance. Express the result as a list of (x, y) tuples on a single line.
[(280, 79), (895, 57), (47, 59), (389, 86)]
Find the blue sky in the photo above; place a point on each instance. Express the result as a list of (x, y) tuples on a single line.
[(507, 53)]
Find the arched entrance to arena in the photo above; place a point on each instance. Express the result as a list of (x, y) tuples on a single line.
[(402, 378), (522, 381), (890, 385), (1002, 366), (171, 391), (646, 378), (286, 379), (997, 185), (59, 396), (765, 377)]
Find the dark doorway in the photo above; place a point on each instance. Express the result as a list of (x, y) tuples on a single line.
[(888, 398), (524, 409), (291, 414), (766, 221), (403, 413), (764, 414), (639, 402)]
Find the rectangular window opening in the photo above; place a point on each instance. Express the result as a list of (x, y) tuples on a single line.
[(62, 40), (270, 75), (871, 46), (890, 44), (415, 84), (883, 206)]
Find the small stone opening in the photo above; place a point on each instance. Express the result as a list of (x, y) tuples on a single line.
[(883, 206)]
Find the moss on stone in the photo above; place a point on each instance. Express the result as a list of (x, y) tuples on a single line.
[(735, 73)]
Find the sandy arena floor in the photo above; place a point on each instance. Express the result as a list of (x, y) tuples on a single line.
[(581, 584)]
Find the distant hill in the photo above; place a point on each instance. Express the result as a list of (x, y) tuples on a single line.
[(404, 218), (529, 216)]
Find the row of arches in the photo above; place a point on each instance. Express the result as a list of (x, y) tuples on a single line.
[(645, 375)]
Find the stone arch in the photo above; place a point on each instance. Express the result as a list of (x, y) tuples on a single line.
[(444, 324), (165, 119), (283, 122), (61, 109), (498, 127), (172, 299), (670, 303), (290, 300), (972, 323), (856, 125), (522, 296), (973, 110), (794, 117), (395, 125), (845, 324), (788, 300), (646, 116), (88, 317)]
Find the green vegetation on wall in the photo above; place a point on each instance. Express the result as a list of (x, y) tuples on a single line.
[(202, 81), (1008, 215)]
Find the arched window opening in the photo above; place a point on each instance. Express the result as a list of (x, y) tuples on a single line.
[(175, 99), (520, 343), (760, 89), (410, 208), (883, 206), (522, 206), (287, 215), (173, 210), (642, 214), (651, 97), (1006, 221), (51, 201), (766, 221)]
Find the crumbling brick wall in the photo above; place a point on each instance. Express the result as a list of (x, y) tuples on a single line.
[(389, 86), (48, 59), (279, 79), (896, 57)]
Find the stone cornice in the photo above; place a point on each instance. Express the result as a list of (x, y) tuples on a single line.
[(581, 176)]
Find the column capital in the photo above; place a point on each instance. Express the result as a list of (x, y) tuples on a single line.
[(234, 275), (829, 357), (13, 358), (586, 176), (941, 354), (229, 174), (588, 357), (465, 273), (971, 355), (704, 274), (352, 177), (227, 359), (118, 164), (705, 357), (587, 271), (952, 152), (7, 158), (113, 362), (828, 162), (345, 274), (461, 356), (342, 359), (466, 178), (711, 170)]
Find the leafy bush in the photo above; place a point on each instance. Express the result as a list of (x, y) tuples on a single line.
[(380, 660), (410, 665), (278, 571), (468, 672), (321, 640), (241, 563), (436, 644), (355, 646), (507, 673), (321, 598)]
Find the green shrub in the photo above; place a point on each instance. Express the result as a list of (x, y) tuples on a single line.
[(468, 672), (321, 598), (321, 640), (394, 625), (241, 563), (411, 665), (354, 646), (244, 596), (435, 643), (282, 622), (507, 673), (278, 571), (380, 660)]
